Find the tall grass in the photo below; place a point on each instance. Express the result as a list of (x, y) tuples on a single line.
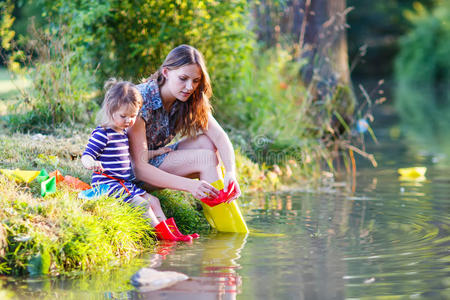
[(61, 233), (60, 91)]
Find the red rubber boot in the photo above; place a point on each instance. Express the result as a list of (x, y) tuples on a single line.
[(173, 227), (164, 233)]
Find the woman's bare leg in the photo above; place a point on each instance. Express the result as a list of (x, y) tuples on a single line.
[(193, 155)]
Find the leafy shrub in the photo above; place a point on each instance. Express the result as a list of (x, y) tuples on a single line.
[(423, 72), (130, 39), (61, 90)]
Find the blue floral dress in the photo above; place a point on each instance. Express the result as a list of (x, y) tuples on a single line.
[(159, 124)]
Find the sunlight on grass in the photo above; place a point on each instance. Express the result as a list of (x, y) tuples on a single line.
[(10, 86)]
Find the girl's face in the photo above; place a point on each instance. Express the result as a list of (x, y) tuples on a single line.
[(182, 82), (124, 117)]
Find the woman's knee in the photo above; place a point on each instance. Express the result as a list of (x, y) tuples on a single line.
[(201, 141), (206, 143)]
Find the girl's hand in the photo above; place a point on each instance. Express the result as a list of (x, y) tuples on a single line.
[(201, 189), (230, 177), (91, 164), (160, 151), (96, 166)]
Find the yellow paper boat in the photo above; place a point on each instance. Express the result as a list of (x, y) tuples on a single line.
[(414, 172), (20, 175), (225, 217)]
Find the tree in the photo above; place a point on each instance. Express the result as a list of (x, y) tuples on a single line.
[(317, 31)]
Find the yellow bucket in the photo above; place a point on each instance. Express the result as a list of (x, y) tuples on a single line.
[(225, 217)]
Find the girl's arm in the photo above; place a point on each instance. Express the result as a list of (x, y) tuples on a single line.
[(95, 146), (156, 177), (91, 164), (223, 144)]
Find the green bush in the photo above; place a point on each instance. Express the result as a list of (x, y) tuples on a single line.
[(423, 72), (60, 90), (130, 39), (270, 113)]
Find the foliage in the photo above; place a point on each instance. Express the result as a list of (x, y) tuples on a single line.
[(423, 72), (6, 22), (60, 90), (376, 26), (134, 44), (280, 121)]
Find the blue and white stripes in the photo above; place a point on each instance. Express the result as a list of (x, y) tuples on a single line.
[(111, 148)]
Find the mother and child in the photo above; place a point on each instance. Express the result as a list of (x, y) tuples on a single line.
[(130, 148)]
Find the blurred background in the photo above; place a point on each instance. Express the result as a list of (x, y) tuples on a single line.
[(292, 77)]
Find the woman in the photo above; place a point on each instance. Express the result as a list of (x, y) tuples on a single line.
[(176, 101)]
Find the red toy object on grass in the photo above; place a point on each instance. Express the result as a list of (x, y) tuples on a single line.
[(222, 197), (76, 183), (163, 232), (173, 227), (58, 176)]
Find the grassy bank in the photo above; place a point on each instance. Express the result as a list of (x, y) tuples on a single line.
[(60, 233)]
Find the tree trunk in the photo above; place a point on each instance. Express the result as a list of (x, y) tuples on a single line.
[(323, 42), (317, 28)]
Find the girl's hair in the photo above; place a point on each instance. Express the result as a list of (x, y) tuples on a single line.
[(193, 114), (118, 94)]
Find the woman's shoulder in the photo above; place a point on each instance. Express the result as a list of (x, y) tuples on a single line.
[(148, 89), (151, 96)]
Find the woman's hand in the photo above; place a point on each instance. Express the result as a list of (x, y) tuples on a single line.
[(201, 189), (229, 178)]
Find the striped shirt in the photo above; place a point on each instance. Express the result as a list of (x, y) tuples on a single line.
[(111, 148)]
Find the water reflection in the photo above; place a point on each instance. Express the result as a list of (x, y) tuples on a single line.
[(218, 278), (380, 236)]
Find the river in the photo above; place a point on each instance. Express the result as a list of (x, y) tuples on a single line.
[(375, 237)]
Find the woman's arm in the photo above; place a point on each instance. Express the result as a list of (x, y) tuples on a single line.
[(154, 176), (223, 144)]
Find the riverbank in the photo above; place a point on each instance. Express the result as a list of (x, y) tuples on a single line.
[(60, 233)]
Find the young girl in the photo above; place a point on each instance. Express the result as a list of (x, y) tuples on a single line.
[(107, 154)]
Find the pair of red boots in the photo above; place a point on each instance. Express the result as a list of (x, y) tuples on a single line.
[(168, 230), (222, 197)]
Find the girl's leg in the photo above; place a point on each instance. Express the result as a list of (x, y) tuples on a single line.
[(193, 156), (155, 206), (139, 201)]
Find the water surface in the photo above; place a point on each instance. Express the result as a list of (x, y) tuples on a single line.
[(374, 236)]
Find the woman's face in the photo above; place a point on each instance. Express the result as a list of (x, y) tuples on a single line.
[(182, 82)]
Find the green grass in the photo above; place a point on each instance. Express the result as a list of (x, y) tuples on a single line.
[(61, 233), (10, 86)]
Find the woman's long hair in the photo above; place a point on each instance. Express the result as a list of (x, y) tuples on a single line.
[(192, 115)]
